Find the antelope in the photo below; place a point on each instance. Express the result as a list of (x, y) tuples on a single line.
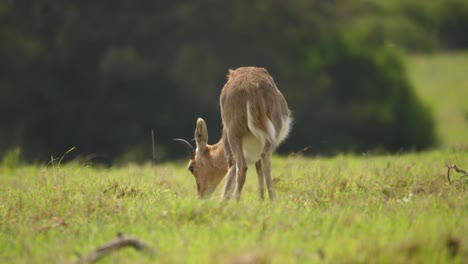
[(256, 119)]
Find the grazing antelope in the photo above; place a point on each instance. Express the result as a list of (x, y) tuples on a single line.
[(256, 119)]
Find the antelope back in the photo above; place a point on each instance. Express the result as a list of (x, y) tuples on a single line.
[(251, 103)]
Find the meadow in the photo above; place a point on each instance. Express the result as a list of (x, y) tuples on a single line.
[(441, 80), (350, 208)]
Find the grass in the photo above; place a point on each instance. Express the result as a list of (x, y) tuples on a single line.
[(441, 80), (366, 209), (342, 209)]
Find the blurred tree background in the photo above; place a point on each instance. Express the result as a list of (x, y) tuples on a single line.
[(100, 75)]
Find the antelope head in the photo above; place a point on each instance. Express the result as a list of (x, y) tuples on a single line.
[(208, 163)]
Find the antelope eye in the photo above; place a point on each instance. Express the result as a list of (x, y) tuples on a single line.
[(190, 168)]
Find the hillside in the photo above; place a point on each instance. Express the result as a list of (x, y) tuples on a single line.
[(442, 82)]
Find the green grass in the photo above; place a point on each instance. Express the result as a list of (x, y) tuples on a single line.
[(441, 80), (342, 209), (366, 209)]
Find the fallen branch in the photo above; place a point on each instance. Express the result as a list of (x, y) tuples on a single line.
[(453, 166), (120, 242)]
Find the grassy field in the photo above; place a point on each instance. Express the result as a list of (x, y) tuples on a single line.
[(441, 80), (382, 209), (342, 209)]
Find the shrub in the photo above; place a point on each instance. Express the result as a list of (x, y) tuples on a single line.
[(366, 101)]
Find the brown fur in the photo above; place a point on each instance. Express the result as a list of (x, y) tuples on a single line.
[(268, 110)]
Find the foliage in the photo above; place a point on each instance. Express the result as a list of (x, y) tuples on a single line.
[(353, 209), (412, 24), (366, 101), (11, 160), (453, 23), (100, 77)]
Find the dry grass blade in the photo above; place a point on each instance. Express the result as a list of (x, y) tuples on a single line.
[(152, 145), (120, 242)]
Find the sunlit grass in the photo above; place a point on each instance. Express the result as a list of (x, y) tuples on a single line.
[(441, 80), (389, 209)]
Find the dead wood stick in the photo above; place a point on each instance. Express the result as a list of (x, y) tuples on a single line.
[(453, 166), (120, 242)]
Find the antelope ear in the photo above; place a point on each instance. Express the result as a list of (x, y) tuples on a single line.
[(201, 135)]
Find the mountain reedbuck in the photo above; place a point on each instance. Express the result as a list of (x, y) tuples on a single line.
[(256, 119)]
